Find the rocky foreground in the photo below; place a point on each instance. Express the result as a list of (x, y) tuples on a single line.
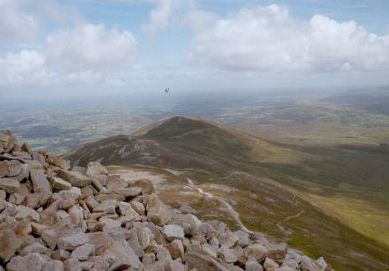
[(56, 218)]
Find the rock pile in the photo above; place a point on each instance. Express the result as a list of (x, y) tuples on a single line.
[(56, 218)]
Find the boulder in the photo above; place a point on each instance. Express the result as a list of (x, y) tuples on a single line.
[(256, 251), (171, 232), (9, 243), (59, 184), (270, 265), (39, 181), (9, 185), (253, 265), (107, 206), (190, 223), (71, 241), (123, 256), (277, 251), (7, 141), (53, 265), (75, 178), (83, 252), (157, 212)]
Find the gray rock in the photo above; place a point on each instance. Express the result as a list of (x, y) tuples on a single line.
[(31, 262), (83, 252), (171, 232), (71, 241), (53, 265), (95, 169), (39, 181), (256, 251), (174, 266), (307, 264), (60, 184), (122, 255), (176, 249), (107, 206), (270, 265), (227, 239), (23, 212), (253, 265), (227, 255), (243, 238), (201, 261), (190, 223), (277, 251), (9, 243), (7, 141), (75, 178), (73, 265), (9, 185), (157, 212)]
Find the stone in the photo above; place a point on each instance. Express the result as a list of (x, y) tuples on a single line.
[(210, 250), (125, 209), (157, 212), (107, 206), (71, 241), (57, 161), (190, 223), (243, 238), (176, 249), (270, 265), (72, 265), (148, 259), (9, 243), (253, 265), (60, 184), (323, 265), (138, 207), (227, 255), (75, 178), (256, 251), (7, 141), (83, 252), (200, 261), (13, 168), (23, 212), (26, 147), (9, 185), (34, 248), (95, 168), (227, 239), (277, 251), (16, 198), (53, 265), (31, 262), (122, 255), (174, 266), (39, 181), (163, 254), (60, 255), (171, 232), (307, 264)]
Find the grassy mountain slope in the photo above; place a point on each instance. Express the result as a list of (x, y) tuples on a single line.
[(213, 154)]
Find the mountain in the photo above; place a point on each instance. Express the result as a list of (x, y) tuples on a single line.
[(54, 217), (227, 169)]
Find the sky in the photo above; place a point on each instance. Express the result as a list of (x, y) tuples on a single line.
[(57, 47)]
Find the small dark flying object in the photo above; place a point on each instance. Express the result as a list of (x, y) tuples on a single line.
[(167, 90)]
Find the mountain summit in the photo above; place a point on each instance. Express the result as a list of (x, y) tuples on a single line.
[(57, 218)]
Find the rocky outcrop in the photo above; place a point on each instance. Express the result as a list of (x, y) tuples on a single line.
[(53, 217)]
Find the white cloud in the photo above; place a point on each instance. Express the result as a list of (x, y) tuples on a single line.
[(86, 54), (91, 47), (269, 39), (159, 16), (24, 67), (15, 23)]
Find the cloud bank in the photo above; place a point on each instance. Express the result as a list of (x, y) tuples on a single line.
[(268, 39)]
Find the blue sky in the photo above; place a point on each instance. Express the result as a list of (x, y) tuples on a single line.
[(140, 45)]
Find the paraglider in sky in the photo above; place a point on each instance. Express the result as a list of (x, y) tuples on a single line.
[(167, 90)]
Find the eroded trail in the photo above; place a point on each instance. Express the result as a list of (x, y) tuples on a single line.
[(234, 214)]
